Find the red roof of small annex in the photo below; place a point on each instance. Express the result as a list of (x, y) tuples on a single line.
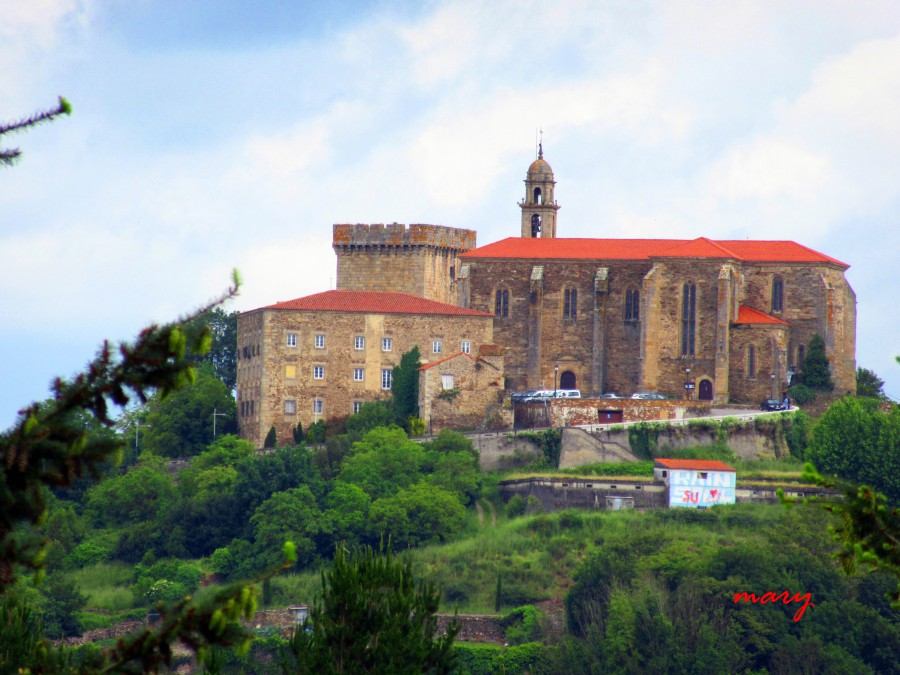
[(446, 358), (693, 464), (750, 315), (645, 249), (374, 302)]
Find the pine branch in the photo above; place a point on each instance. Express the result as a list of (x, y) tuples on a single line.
[(9, 157)]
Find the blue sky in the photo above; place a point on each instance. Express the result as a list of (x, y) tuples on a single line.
[(213, 135)]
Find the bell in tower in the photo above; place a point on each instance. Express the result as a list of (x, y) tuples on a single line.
[(539, 208)]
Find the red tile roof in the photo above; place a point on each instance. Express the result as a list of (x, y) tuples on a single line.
[(374, 302), (693, 464), (446, 358), (645, 249), (750, 315)]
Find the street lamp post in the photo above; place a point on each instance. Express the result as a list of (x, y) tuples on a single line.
[(216, 414), (687, 382), (555, 379)]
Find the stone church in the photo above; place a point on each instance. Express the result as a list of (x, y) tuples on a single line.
[(717, 320)]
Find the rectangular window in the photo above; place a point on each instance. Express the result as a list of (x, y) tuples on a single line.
[(356, 406), (359, 343), (291, 339), (318, 406), (466, 347), (570, 306), (320, 341), (319, 372), (386, 378), (290, 407), (290, 372), (387, 344), (446, 381), (437, 346), (358, 374)]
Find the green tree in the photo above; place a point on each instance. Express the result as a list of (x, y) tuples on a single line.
[(271, 439), (405, 387), (291, 515), (345, 518), (181, 425), (384, 461), (374, 616), (868, 384), (137, 496), (859, 441), (417, 515), (8, 156), (816, 373), (222, 354)]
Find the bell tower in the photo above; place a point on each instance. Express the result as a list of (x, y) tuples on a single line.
[(539, 208)]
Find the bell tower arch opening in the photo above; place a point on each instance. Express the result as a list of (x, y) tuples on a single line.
[(539, 207)]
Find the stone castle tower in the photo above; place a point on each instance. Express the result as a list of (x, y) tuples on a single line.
[(539, 208), (420, 260)]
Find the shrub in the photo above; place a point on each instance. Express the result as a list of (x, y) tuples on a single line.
[(271, 439), (801, 394), (515, 507)]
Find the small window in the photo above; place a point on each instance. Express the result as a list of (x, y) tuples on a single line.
[(252, 411), (320, 341), (359, 343), (501, 305), (290, 372), (386, 378), (632, 305), (291, 339), (751, 362), (446, 381), (358, 374), (703, 475), (319, 372), (777, 294), (356, 406), (688, 319), (437, 346), (318, 406), (570, 304), (387, 344), (466, 347), (290, 407)]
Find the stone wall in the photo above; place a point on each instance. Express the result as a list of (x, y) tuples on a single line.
[(473, 402), (281, 372), (420, 260), (607, 353)]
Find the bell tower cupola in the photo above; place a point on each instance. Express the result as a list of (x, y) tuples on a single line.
[(539, 207)]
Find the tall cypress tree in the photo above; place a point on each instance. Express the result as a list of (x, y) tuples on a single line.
[(405, 386), (816, 373)]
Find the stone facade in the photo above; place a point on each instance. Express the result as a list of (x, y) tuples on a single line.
[(303, 365), (420, 260), (600, 347), (463, 391)]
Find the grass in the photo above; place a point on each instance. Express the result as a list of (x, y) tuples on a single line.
[(106, 585)]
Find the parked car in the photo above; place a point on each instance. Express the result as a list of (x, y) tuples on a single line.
[(522, 396), (610, 395), (649, 397), (772, 404), (567, 393)]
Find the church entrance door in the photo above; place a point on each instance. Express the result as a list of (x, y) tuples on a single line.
[(706, 393), (567, 380)]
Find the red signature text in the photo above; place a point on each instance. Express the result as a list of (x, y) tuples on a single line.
[(784, 596)]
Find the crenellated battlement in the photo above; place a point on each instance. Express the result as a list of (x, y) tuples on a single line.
[(400, 235)]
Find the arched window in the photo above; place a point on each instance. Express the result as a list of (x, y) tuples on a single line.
[(570, 304), (538, 197), (535, 224), (501, 305), (751, 362), (777, 294), (632, 305), (688, 319)]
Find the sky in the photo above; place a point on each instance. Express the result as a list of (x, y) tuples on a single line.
[(209, 135)]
